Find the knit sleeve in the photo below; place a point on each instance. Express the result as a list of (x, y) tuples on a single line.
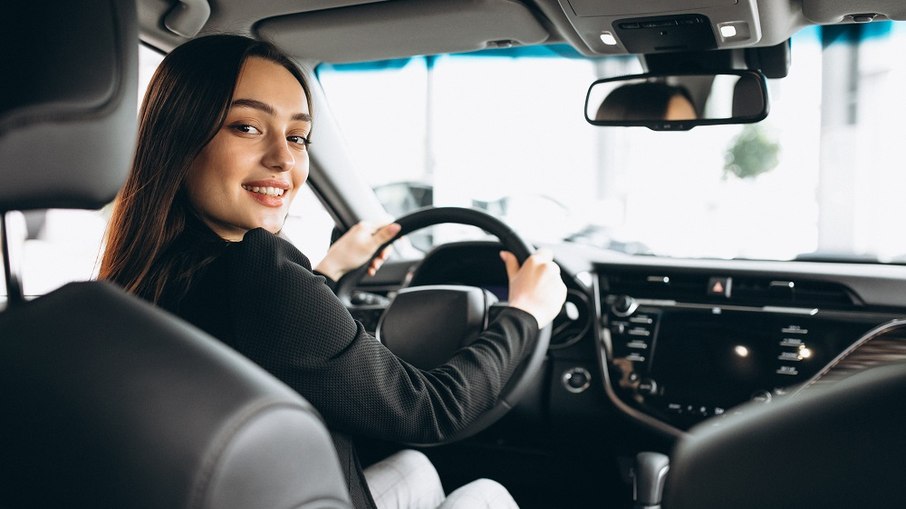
[(287, 320)]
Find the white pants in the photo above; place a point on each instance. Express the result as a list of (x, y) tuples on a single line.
[(408, 480)]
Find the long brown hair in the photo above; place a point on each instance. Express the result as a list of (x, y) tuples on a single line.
[(185, 106)]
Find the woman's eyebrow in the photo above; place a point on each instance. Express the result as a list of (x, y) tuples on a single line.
[(267, 108)]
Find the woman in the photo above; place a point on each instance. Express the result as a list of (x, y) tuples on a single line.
[(222, 151), (647, 101)]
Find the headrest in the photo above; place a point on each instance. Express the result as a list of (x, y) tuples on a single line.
[(747, 97), (68, 102)]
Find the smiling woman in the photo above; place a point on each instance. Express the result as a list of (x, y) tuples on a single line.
[(222, 153), (153, 209)]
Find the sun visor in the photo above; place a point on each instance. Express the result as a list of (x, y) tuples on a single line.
[(848, 11), (405, 28), (636, 8)]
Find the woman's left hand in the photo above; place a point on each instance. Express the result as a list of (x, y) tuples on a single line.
[(355, 247)]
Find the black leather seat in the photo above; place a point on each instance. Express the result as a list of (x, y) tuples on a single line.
[(105, 400), (841, 445)]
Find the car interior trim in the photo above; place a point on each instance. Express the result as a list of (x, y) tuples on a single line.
[(420, 27)]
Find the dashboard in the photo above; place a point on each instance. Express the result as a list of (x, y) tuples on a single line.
[(670, 343), (678, 347)]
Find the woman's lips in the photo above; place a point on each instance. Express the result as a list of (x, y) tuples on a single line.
[(267, 195)]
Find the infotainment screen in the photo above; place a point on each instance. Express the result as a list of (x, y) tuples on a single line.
[(711, 360), (721, 360)]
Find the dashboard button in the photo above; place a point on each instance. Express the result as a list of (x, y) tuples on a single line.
[(720, 286), (762, 397), (787, 370), (648, 387), (576, 380), (791, 342)]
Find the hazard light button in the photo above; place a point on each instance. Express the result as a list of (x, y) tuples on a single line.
[(720, 286)]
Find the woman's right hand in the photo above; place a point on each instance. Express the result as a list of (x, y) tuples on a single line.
[(536, 287)]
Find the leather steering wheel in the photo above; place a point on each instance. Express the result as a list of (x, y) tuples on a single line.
[(451, 316)]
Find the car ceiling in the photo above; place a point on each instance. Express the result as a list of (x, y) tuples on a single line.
[(363, 30)]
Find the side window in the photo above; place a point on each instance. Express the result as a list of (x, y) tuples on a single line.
[(309, 226), (65, 245)]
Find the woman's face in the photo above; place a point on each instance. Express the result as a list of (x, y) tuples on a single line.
[(249, 173), (679, 108)]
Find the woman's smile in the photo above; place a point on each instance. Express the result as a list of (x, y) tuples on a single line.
[(247, 176), (269, 193)]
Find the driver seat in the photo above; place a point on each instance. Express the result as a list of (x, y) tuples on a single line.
[(108, 401)]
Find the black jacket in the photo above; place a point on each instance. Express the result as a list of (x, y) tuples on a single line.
[(261, 297)]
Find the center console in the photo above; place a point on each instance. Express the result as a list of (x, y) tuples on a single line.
[(677, 354)]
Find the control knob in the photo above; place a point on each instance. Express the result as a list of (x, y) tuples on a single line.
[(576, 380), (624, 305)]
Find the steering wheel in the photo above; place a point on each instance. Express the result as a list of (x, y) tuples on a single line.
[(426, 325)]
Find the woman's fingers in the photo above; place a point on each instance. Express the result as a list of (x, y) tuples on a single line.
[(536, 287), (355, 248)]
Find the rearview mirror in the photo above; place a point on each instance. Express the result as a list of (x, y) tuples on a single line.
[(678, 102)]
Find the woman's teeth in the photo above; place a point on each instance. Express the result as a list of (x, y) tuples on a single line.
[(270, 191)]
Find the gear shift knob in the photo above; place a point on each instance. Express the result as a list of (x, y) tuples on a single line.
[(648, 479)]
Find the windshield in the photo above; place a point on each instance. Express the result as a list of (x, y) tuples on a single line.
[(504, 130)]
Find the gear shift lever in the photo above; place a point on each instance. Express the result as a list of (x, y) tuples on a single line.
[(648, 479)]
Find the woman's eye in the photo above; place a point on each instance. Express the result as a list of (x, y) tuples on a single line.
[(298, 140), (245, 129)]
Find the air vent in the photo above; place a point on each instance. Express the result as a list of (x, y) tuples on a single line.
[(744, 290), (792, 292), (685, 287), (573, 322)]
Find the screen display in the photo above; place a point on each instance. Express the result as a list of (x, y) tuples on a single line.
[(713, 361), (726, 359)]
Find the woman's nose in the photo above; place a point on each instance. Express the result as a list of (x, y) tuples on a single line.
[(279, 156)]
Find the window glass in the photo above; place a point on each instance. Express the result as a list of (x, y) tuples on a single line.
[(505, 132), (308, 225)]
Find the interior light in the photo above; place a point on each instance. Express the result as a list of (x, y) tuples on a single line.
[(727, 31), (804, 352), (741, 351), (608, 39)]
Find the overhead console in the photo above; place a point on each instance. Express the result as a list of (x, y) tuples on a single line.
[(643, 27), (678, 346)]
